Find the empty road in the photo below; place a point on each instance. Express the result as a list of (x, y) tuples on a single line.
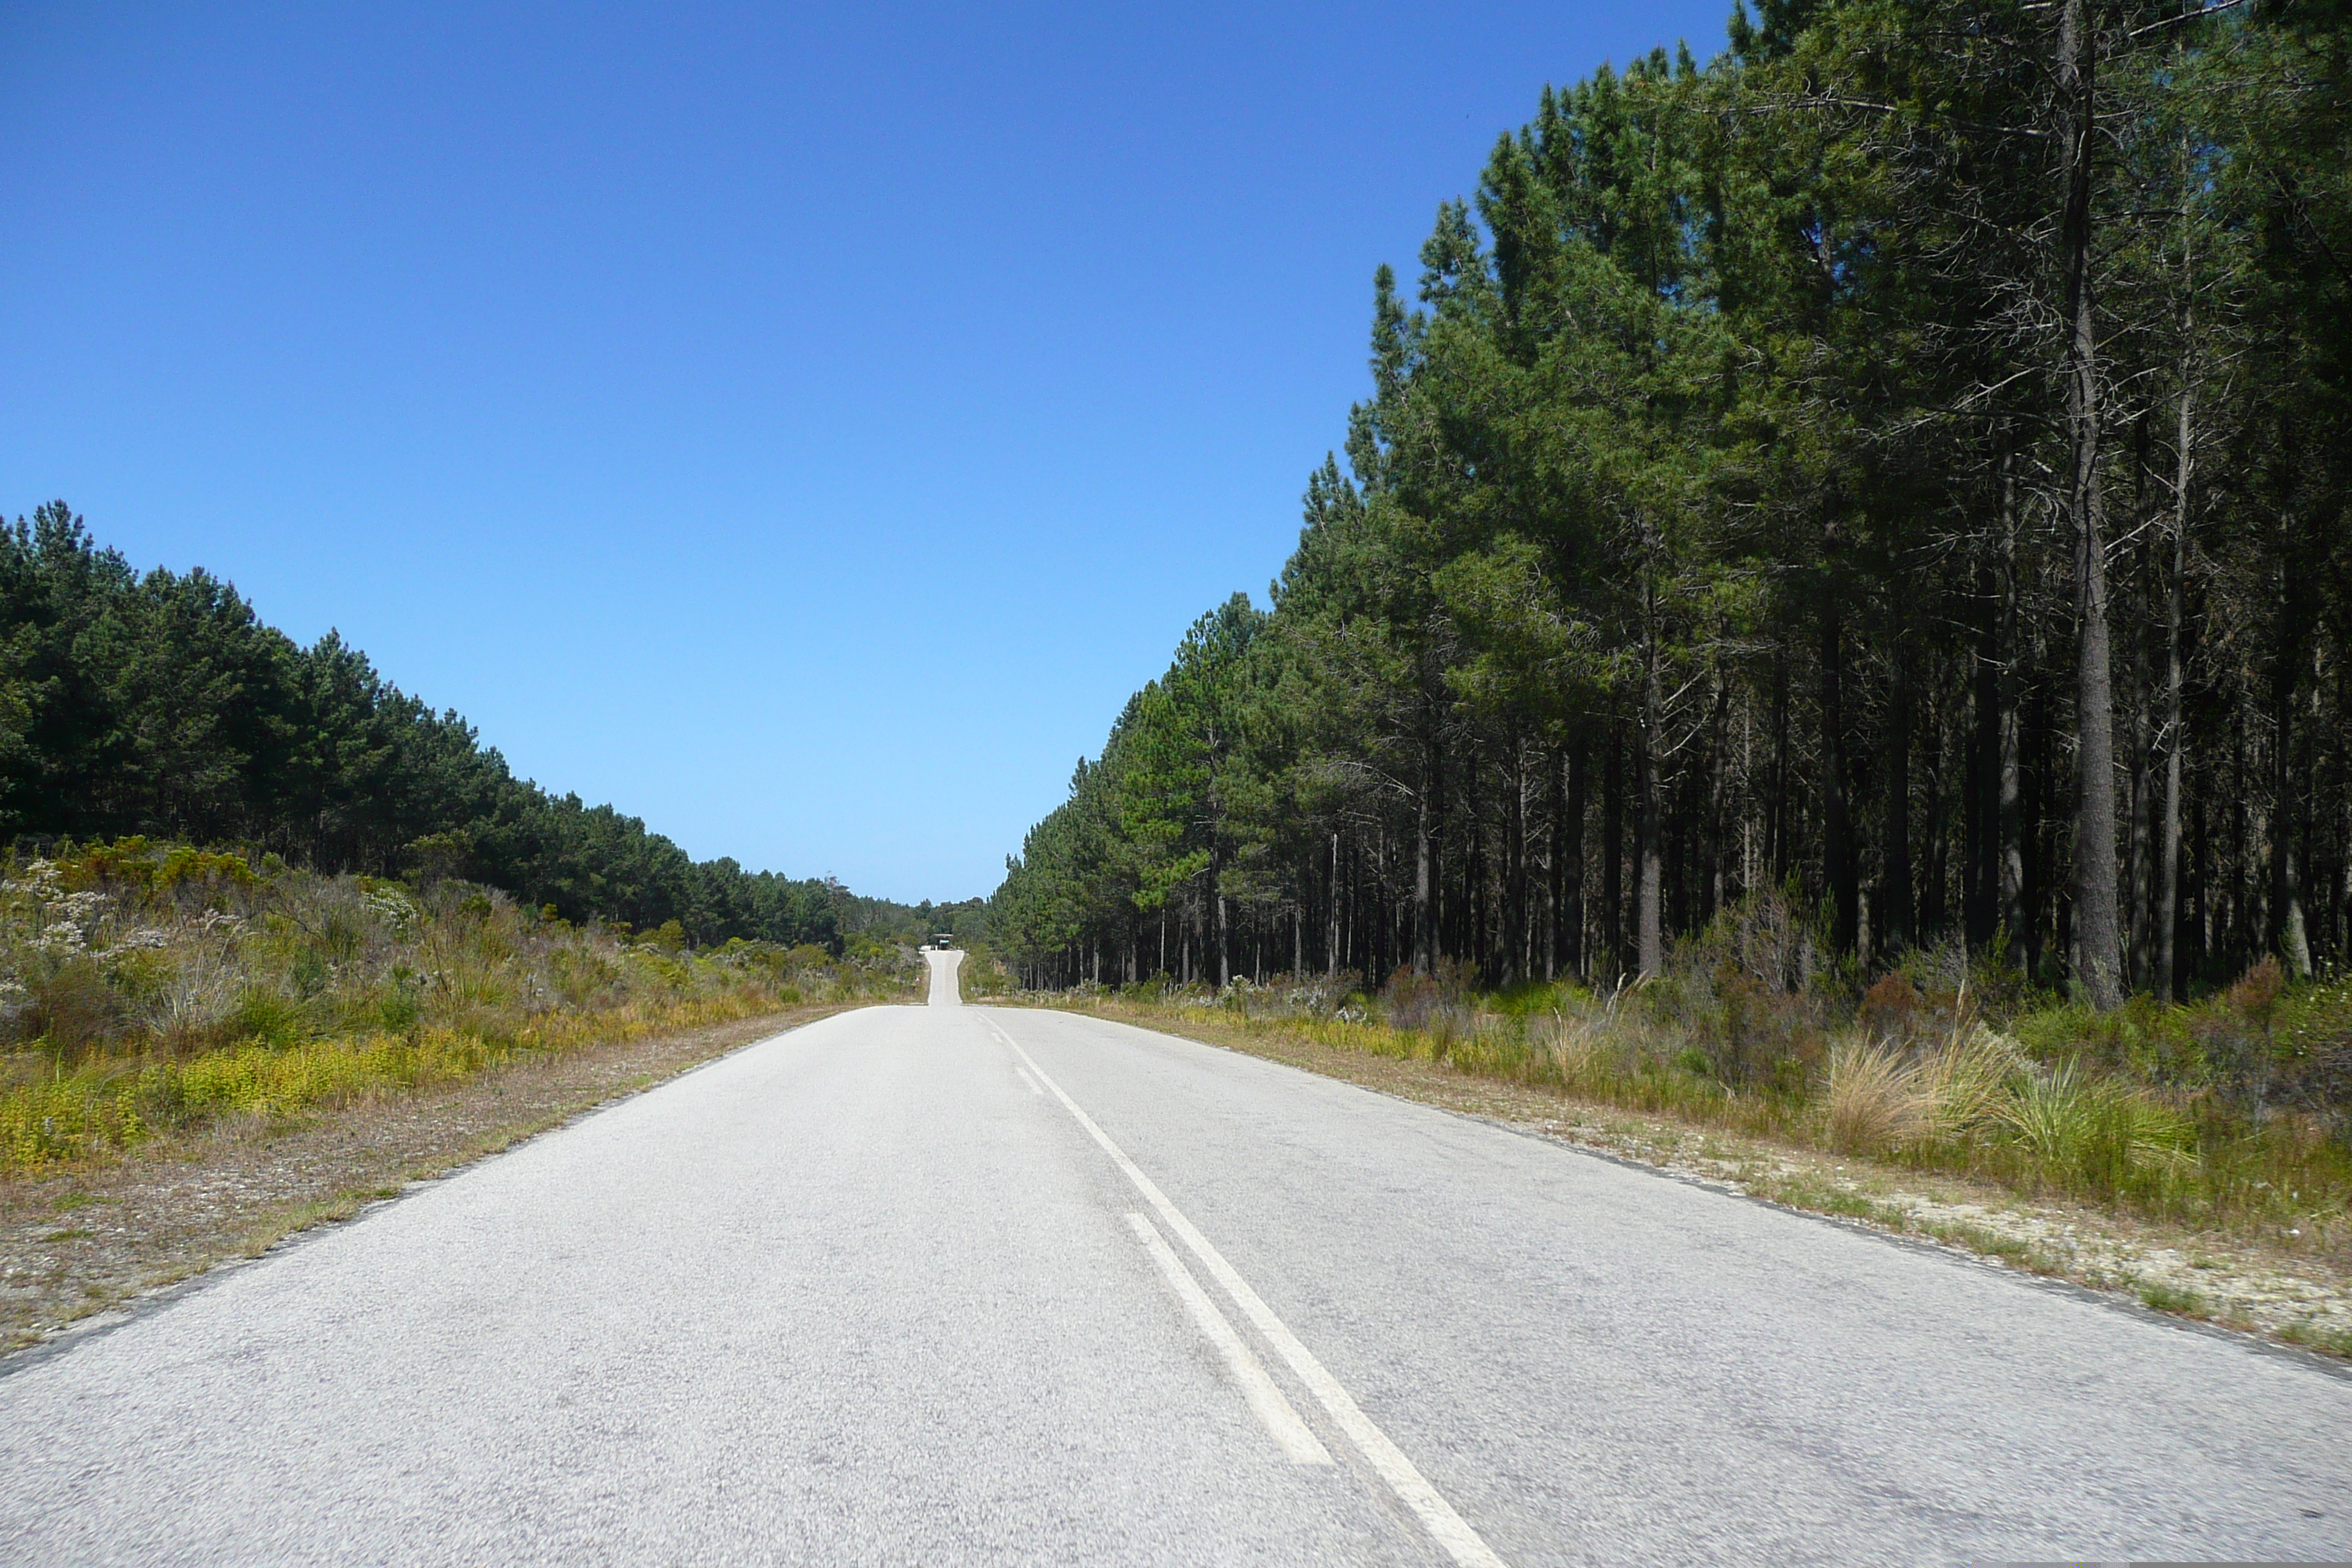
[(947, 1284)]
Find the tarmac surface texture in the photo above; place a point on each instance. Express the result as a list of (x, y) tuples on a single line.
[(951, 1284)]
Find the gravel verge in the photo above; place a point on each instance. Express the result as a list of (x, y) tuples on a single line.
[(78, 1243), (2271, 1287)]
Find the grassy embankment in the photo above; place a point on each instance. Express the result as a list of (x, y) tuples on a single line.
[(2231, 1115), (149, 989)]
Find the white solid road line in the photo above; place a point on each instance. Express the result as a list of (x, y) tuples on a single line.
[(1029, 1081), (1299, 1444), (1449, 1529)]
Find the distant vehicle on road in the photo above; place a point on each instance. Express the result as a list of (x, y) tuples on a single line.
[(944, 939)]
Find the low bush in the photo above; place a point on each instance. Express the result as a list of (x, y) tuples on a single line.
[(2233, 1110), (981, 977), (145, 988)]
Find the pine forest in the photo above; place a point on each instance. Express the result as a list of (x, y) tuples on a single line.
[(1885, 488), (159, 706)]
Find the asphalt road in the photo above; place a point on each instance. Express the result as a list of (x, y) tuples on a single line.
[(975, 1285)]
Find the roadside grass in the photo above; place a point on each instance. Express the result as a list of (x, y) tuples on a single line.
[(1986, 1242), (1976, 1104), (2305, 1334), (110, 1103), (152, 989), (2256, 1281), (2231, 1114), (299, 1217), (2172, 1298), (981, 976), (78, 1237)]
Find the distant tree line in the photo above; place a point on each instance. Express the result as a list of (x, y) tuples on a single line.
[(1902, 463), (160, 705)]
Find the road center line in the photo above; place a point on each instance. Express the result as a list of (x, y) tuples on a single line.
[(1289, 1432), (1449, 1529), (1029, 1081)]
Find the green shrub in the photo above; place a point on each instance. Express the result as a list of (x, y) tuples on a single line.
[(70, 1006), (166, 984), (2230, 1110), (265, 1017)]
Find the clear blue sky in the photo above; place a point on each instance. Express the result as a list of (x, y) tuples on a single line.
[(801, 427)]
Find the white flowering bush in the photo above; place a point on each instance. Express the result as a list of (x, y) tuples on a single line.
[(393, 907)]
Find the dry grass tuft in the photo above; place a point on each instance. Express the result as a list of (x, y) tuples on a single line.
[(1874, 1102), (1880, 1099)]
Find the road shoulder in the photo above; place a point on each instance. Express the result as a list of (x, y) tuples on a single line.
[(80, 1243), (2229, 1281)]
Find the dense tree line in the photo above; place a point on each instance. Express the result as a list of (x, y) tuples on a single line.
[(1900, 463), (160, 705)]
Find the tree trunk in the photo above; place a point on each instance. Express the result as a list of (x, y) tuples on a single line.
[(2140, 873), (1650, 957), (2097, 939), (1894, 922), (2343, 882), (1469, 929), (1424, 928), (1985, 776), (2288, 935), (1224, 932), (1515, 852), (2009, 804), (1572, 877), (1331, 938), (2175, 738), (1935, 875), (2343, 923), (1712, 873), (1612, 853), (1838, 861), (1555, 852), (2200, 886), (1776, 821), (2237, 923)]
